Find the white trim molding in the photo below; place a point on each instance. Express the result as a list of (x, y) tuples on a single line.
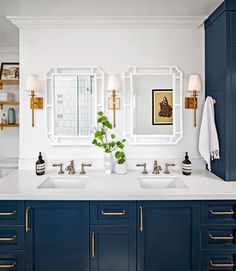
[(119, 22), (9, 50)]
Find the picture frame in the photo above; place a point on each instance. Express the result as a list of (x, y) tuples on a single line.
[(162, 107), (10, 71)]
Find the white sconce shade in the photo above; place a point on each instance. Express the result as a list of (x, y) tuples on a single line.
[(113, 83), (32, 83), (195, 82)]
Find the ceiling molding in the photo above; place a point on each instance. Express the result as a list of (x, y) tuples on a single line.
[(116, 22), (9, 50)]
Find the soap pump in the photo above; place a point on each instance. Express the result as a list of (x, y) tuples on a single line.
[(186, 165), (40, 165)]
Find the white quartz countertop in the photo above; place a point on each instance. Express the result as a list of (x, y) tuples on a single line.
[(201, 185)]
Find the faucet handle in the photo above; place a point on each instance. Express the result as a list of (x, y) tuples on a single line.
[(83, 165), (167, 165), (144, 165), (61, 168)]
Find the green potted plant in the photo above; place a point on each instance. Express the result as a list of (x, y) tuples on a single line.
[(108, 142)]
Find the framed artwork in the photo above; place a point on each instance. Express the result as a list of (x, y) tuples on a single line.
[(10, 71), (162, 107)]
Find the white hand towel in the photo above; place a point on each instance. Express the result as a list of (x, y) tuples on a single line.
[(208, 138)]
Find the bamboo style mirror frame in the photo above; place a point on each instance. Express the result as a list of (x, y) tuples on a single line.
[(153, 105), (73, 98)]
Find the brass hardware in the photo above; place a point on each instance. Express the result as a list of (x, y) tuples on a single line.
[(8, 213), (189, 102), (71, 168), (83, 172), (93, 245), (61, 168), (230, 237), (8, 238), (36, 103), (167, 169), (141, 218), (27, 227), (231, 212), (144, 168), (156, 168), (7, 266), (231, 264), (110, 103), (113, 213)]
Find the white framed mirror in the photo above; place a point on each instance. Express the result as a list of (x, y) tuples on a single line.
[(73, 98), (153, 105)]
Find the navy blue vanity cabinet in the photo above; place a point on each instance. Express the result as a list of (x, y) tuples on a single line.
[(12, 236), (168, 236), (220, 76), (113, 235), (57, 236)]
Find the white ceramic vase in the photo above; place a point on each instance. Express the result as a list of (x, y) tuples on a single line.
[(108, 163), (121, 168)]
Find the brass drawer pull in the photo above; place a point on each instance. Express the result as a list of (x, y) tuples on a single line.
[(230, 237), (231, 264), (93, 245), (141, 218), (8, 238), (27, 227), (7, 266), (113, 213), (7, 213), (231, 212)]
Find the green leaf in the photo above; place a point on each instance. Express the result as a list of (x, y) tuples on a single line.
[(100, 113), (113, 136)]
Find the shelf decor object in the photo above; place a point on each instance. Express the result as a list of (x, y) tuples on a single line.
[(33, 85), (194, 85), (113, 101)]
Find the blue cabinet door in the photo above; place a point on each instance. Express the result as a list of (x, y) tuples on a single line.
[(113, 248), (58, 236), (168, 236)]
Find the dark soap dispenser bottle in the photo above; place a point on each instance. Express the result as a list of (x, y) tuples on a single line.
[(40, 166), (186, 165)]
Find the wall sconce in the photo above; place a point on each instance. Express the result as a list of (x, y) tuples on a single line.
[(113, 101), (33, 85), (194, 85)]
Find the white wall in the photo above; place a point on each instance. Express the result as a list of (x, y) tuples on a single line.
[(113, 50), (9, 138)]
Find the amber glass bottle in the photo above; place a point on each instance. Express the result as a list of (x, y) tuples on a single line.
[(40, 166), (186, 165)]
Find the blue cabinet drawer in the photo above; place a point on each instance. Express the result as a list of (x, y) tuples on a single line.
[(11, 213), (233, 28), (113, 212), (219, 237), (217, 212), (218, 260), (12, 237), (14, 261)]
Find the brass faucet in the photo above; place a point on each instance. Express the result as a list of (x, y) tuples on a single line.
[(167, 169), (144, 165), (82, 172), (61, 168), (156, 168), (71, 168)]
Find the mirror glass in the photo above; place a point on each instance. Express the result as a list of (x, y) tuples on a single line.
[(153, 105), (74, 96), (74, 105)]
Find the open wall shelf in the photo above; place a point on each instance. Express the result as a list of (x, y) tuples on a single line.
[(8, 82), (7, 103), (2, 126)]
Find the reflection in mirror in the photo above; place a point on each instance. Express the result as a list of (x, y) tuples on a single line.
[(153, 111), (73, 98), (74, 105), (153, 105)]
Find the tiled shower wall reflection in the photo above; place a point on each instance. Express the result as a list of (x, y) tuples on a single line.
[(74, 105)]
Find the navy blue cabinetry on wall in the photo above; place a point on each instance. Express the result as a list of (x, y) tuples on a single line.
[(57, 237), (168, 236), (220, 55)]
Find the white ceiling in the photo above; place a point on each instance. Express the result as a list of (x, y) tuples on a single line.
[(9, 33)]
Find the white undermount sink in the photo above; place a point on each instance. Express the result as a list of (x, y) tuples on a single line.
[(161, 182), (65, 182)]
